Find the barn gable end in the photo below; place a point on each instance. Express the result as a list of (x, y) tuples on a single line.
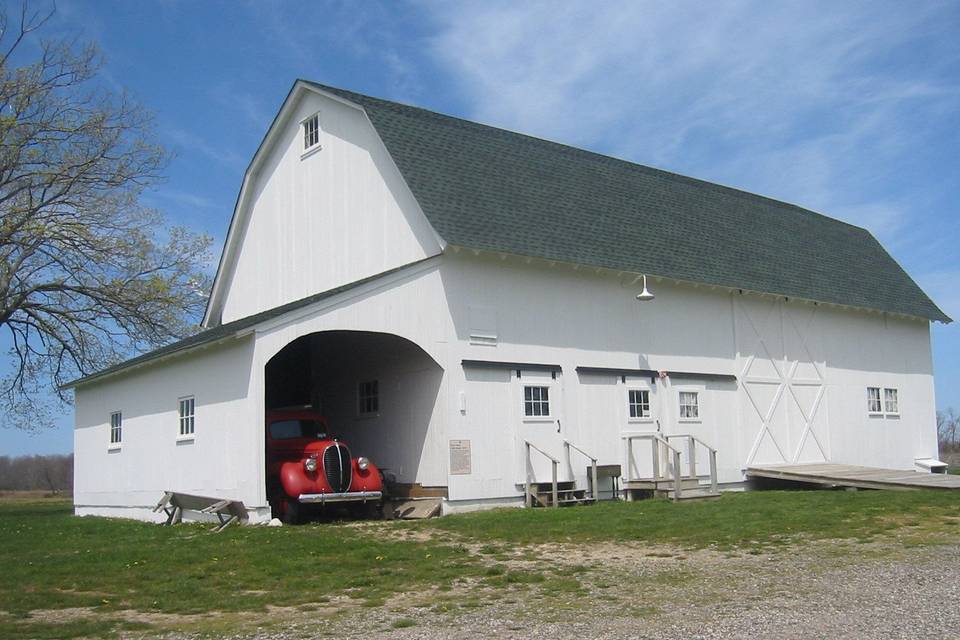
[(310, 221)]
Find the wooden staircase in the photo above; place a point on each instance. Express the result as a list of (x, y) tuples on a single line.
[(541, 495), (557, 493), (669, 478)]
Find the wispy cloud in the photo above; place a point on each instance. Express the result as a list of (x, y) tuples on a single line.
[(809, 102), (187, 144)]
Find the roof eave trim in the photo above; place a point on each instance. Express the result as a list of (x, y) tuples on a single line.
[(503, 255), (175, 353)]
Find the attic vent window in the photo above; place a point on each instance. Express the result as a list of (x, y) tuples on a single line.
[(311, 132)]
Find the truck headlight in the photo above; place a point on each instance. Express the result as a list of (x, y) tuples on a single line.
[(310, 464), (362, 463)]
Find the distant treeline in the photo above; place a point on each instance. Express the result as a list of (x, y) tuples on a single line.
[(53, 473)]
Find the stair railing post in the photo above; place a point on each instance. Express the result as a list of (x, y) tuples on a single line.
[(556, 502), (655, 448), (677, 476), (593, 468), (526, 468), (713, 470), (692, 455), (629, 458)]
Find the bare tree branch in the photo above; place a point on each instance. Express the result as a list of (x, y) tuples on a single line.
[(88, 274)]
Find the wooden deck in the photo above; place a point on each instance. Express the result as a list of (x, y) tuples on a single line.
[(845, 475)]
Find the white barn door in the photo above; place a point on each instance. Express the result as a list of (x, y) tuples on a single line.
[(782, 382)]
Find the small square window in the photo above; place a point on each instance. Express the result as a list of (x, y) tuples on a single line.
[(187, 407), (873, 400), (639, 403), (536, 402), (689, 405), (891, 402), (368, 398), (311, 132), (116, 428)]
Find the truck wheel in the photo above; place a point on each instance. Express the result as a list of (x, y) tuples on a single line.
[(372, 510), (291, 511)]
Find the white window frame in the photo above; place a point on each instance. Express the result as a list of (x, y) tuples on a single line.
[(879, 399), (186, 420), (364, 395), (310, 149), (116, 428), (543, 417), (698, 393), (895, 412), (642, 418)]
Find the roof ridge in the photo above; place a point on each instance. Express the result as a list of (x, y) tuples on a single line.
[(596, 155)]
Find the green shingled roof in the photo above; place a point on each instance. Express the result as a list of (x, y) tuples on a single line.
[(490, 189)]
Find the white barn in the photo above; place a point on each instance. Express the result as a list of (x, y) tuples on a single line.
[(487, 281)]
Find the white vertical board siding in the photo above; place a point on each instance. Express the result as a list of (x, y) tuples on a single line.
[(220, 460), (802, 370), (332, 217)]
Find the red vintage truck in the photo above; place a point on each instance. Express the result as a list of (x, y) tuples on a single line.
[(307, 469)]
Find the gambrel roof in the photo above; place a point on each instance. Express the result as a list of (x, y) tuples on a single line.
[(490, 189)]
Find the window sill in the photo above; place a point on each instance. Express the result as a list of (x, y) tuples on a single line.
[(539, 419), (892, 415), (114, 447), (640, 420), (186, 439), (367, 416), (309, 152), (690, 420), (875, 414)]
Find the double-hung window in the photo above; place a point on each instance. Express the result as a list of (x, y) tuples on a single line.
[(536, 402), (368, 398), (689, 405), (873, 400), (116, 428), (638, 403), (187, 406), (891, 402), (311, 132)]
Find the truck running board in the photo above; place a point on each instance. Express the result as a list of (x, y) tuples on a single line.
[(227, 511)]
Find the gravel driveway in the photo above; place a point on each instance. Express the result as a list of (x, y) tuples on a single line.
[(814, 590)]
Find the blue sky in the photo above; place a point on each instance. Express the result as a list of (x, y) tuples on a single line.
[(851, 109)]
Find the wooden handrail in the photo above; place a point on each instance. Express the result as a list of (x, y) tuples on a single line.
[(528, 497), (692, 455), (533, 446), (593, 467)]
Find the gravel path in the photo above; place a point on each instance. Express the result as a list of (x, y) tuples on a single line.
[(815, 590)]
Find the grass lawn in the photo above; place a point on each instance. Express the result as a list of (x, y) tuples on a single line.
[(130, 576)]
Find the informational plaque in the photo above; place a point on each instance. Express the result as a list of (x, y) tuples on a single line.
[(459, 457)]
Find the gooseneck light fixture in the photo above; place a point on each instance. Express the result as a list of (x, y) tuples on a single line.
[(644, 295)]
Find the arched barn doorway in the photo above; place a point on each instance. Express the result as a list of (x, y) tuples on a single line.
[(379, 393)]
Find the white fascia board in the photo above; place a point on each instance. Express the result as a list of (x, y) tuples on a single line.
[(241, 211)]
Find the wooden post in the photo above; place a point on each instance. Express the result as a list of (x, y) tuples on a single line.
[(629, 458), (526, 468), (692, 455), (596, 493), (677, 476), (655, 448), (556, 500), (713, 471)]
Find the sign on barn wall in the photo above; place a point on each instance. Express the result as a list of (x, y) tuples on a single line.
[(459, 457)]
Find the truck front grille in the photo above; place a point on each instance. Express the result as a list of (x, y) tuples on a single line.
[(337, 467)]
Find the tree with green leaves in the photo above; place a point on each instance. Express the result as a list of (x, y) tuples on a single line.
[(89, 275)]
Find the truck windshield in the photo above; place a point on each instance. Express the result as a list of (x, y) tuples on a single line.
[(300, 428)]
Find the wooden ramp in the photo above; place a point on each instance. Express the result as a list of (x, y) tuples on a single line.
[(846, 475)]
